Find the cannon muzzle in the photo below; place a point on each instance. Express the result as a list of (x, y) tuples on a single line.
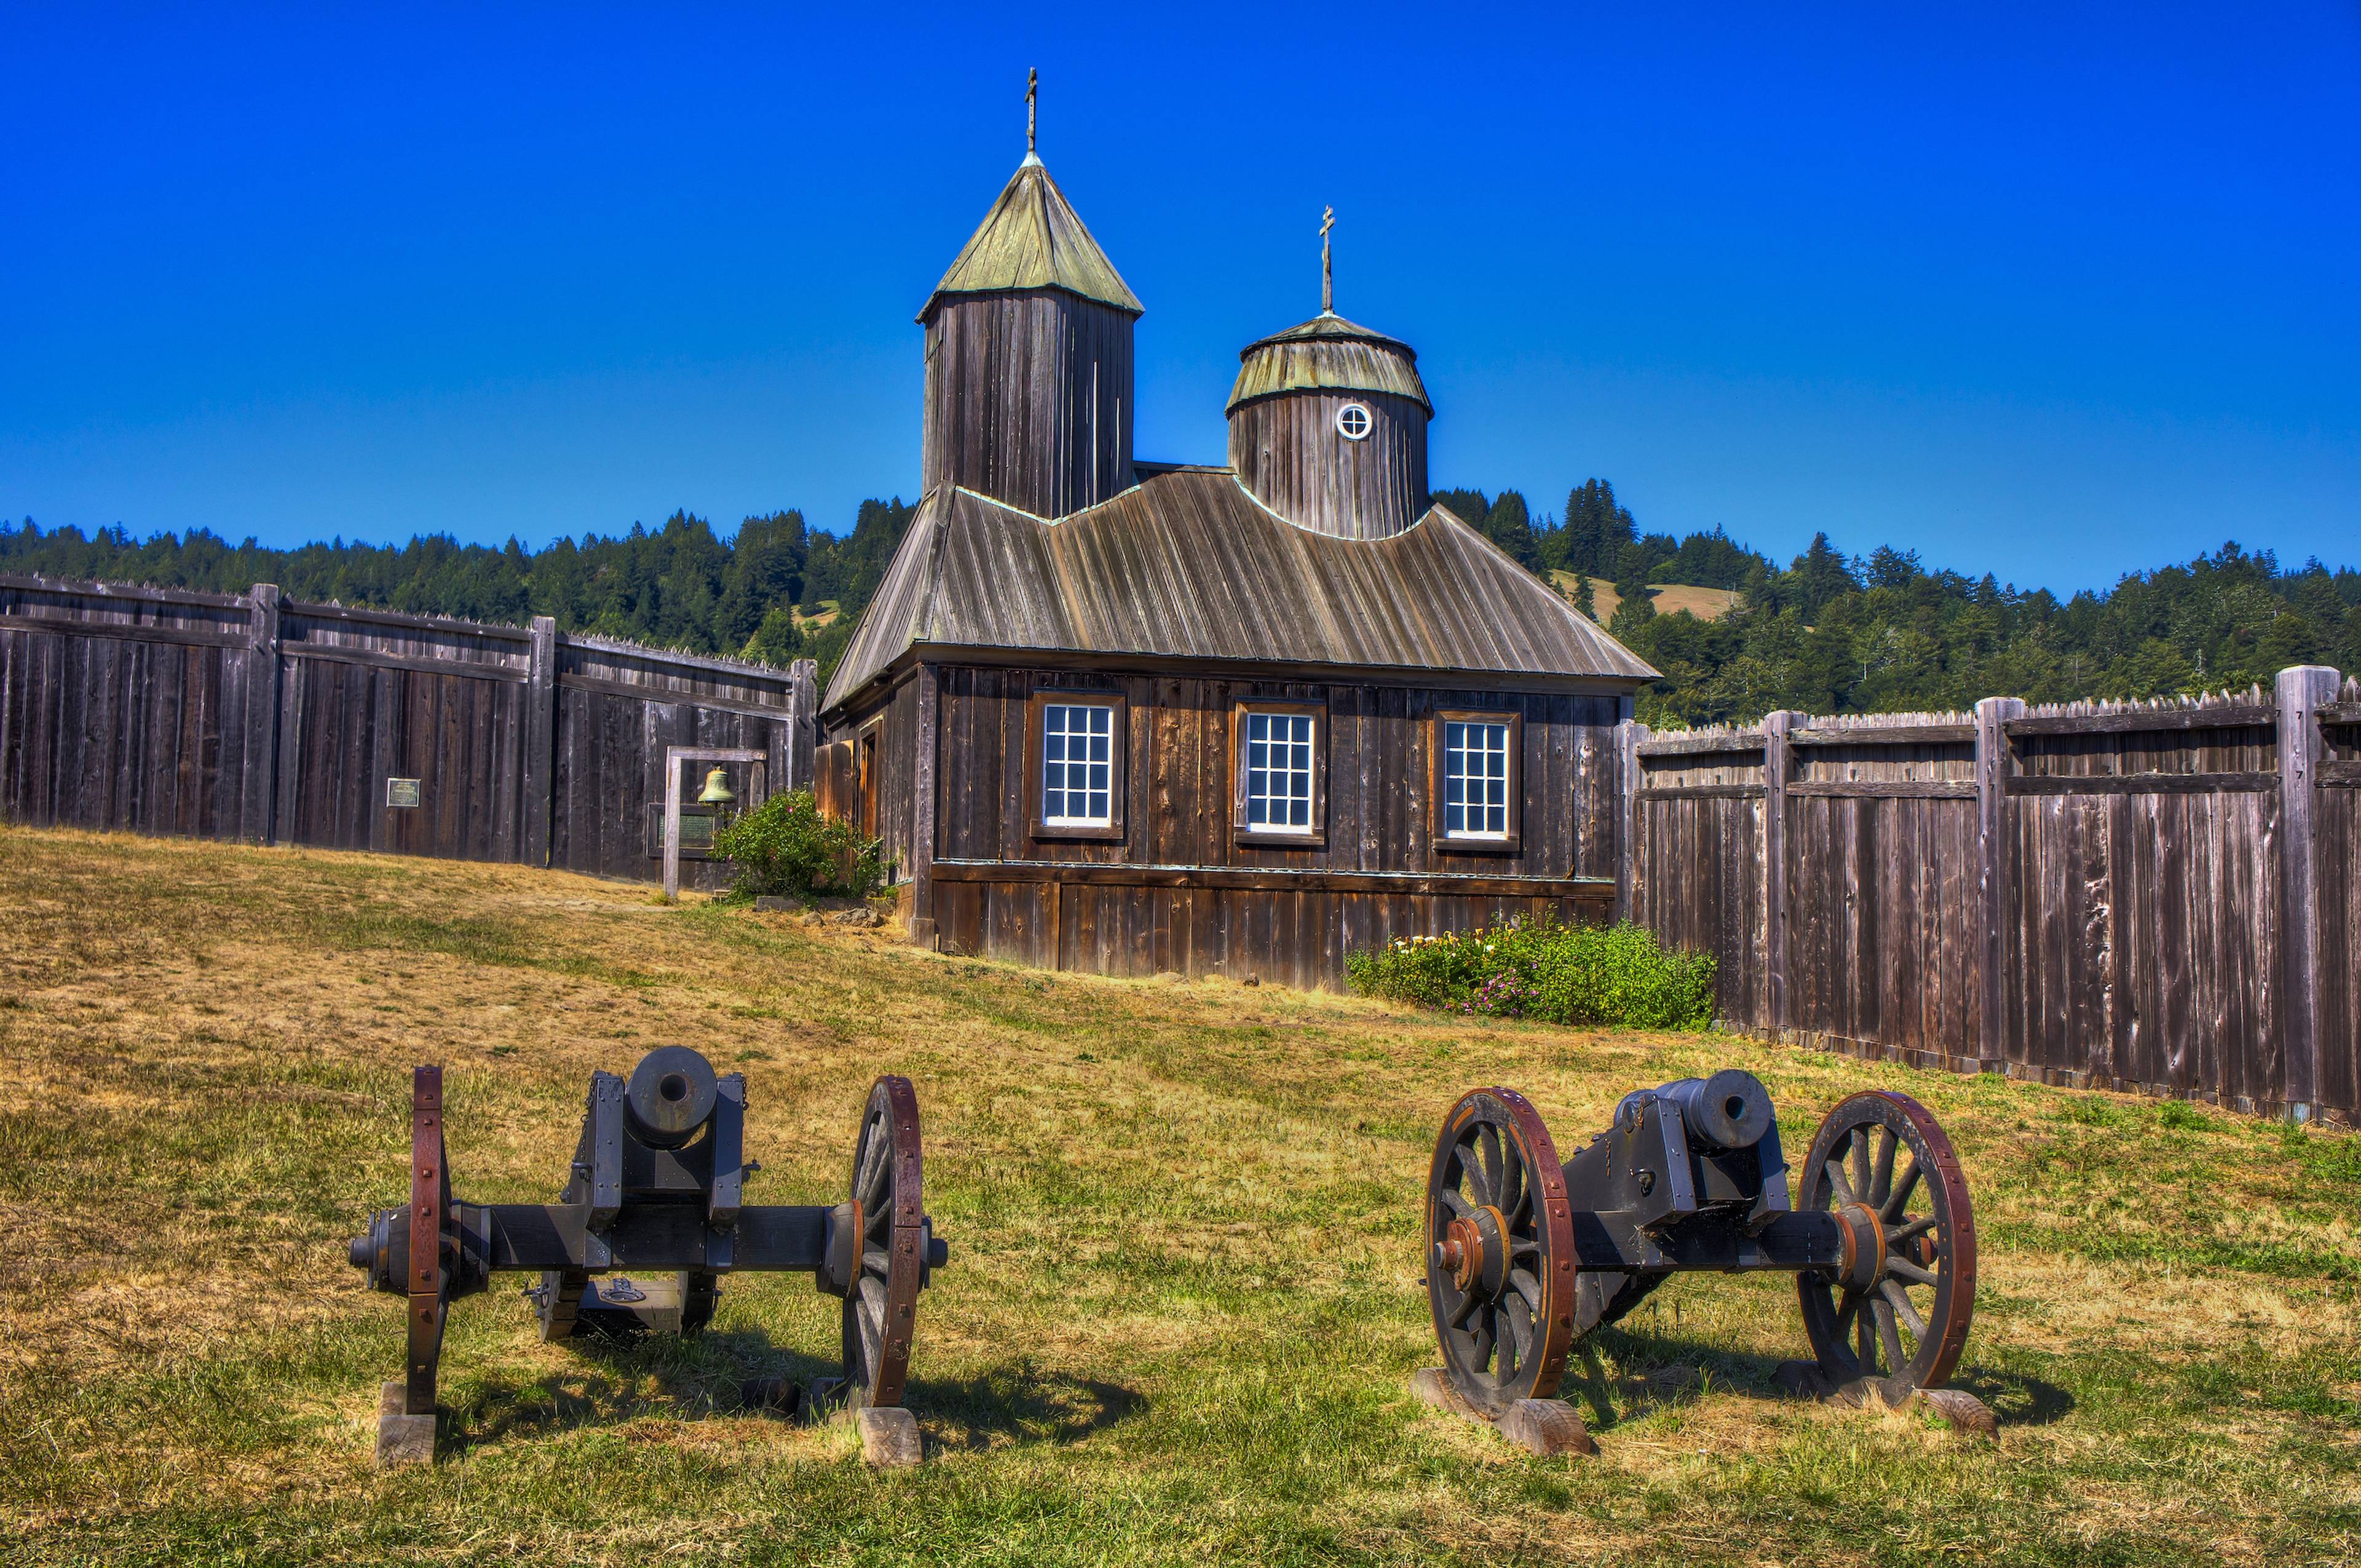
[(1729, 1111), (670, 1096)]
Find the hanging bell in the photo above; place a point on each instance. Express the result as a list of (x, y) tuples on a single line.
[(717, 789)]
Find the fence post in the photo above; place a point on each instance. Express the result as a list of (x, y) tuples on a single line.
[(1993, 765), (803, 732), (922, 811), (2301, 691), (1775, 769), (258, 780), (540, 741), (1627, 735)]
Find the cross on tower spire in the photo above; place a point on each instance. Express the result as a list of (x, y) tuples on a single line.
[(1032, 90), (1327, 269)]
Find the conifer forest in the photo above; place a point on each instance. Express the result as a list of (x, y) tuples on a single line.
[(1827, 633)]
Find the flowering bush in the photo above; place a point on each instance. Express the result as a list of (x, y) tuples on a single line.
[(1545, 970), (784, 848)]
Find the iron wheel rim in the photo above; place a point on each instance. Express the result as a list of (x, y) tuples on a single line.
[(1495, 1154), (1908, 1325), (880, 1304)]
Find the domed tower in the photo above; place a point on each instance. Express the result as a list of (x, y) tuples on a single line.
[(1029, 356), (1328, 423)]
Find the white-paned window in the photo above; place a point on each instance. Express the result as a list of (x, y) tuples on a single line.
[(1278, 773), (1077, 765), (1475, 779)]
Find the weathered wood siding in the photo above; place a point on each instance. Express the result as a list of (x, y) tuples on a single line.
[(1288, 454), (619, 707), (123, 709), (2337, 855), (1179, 891), (1028, 399), (1879, 888), (2140, 854), (368, 697), (249, 716)]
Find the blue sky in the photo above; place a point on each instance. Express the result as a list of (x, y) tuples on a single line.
[(2059, 293)]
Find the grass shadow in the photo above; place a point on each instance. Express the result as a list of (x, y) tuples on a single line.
[(1019, 1400), (612, 1382), (1656, 1370)]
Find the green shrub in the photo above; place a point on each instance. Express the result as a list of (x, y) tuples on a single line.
[(1545, 970), (785, 849)]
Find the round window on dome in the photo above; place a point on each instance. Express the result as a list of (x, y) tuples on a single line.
[(1353, 422)]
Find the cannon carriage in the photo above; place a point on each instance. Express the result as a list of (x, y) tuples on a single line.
[(1526, 1255), (651, 1219)]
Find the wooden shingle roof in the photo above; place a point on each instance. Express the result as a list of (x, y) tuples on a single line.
[(1033, 238), (1187, 566), (1328, 353)]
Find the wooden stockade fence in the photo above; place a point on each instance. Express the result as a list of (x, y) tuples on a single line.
[(256, 718), (2162, 897)]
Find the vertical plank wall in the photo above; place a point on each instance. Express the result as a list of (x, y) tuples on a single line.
[(2141, 856), (247, 717), (1179, 892), (124, 709)]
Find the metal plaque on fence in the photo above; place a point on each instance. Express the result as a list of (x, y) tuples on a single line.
[(402, 792)]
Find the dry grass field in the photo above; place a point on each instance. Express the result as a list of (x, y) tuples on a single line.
[(1705, 604), (1183, 1300)]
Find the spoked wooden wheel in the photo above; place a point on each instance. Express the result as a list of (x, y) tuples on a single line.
[(1898, 1306), (1499, 1252), (880, 1303)]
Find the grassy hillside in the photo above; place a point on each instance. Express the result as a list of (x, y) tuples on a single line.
[(1183, 1300), (1705, 604)]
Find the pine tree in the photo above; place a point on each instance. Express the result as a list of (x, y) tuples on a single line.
[(1508, 524), (1468, 506), (1596, 528)]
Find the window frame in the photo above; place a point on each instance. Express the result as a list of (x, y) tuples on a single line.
[(1443, 841), (1036, 720), (1316, 835)]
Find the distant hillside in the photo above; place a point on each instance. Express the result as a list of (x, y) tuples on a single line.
[(1671, 599), (1735, 632)]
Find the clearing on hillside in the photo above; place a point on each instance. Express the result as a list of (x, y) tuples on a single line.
[(1185, 1298)]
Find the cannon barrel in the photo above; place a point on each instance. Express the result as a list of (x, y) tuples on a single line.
[(671, 1094), (1729, 1111)]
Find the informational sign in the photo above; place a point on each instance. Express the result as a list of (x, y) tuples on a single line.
[(401, 793), (696, 824)]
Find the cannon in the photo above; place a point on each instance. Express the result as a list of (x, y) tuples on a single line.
[(1526, 1254), (656, 1188)]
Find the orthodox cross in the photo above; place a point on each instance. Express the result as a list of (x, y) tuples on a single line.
[(1327, 272), (1032, 87)]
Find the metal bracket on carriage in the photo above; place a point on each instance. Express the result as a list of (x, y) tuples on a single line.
[(656, 1186), (1526, 1255)]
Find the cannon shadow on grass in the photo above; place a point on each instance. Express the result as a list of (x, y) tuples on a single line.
[(608, 1381), (613, 1381), (1657, 1370), (1019, 1399)]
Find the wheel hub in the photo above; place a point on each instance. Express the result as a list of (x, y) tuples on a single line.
[(1474, 1252), (1863, 1235)]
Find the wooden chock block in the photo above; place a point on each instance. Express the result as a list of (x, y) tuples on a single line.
[(889, 1437), (1546, 1427), (402, 1439), (1966, 1414)]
